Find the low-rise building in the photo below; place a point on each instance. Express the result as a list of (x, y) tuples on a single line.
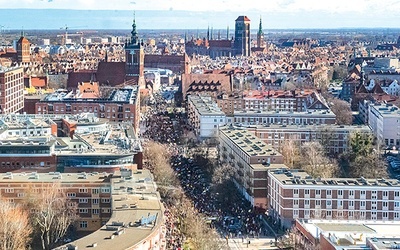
[(123, 209), (247, 118), (250, 159), (384, 121), (294, 194), (204, 116), (334, 138), (120, 106)]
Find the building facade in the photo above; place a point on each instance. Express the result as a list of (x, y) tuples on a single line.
[(11, 90), (134, 58), (242, 41), (250, 159), (293, 194), (383, 119), (204, 116)]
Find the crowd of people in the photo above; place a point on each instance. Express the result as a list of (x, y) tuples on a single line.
[(238, 220)]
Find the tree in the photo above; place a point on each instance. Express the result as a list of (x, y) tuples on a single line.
[(315, 162), (290, 150), (363, 157), (15, 229), (342, 111), (52, 212)]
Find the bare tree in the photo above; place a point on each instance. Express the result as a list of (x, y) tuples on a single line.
[(52, 212), (342, 111), (15, 229), (315, 162), (290, 150)]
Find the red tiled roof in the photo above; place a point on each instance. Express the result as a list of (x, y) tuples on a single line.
[(38, 82), (242, 18)]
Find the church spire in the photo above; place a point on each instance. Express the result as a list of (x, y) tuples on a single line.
[(260, 31), (227, 32), (134, 34), (208, 32)]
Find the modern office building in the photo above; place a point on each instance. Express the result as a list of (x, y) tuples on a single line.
[(383, 119)]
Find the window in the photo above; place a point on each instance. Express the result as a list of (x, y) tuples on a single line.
[(105, 210), (318, 192), (362, 204), (328, 192), (317, 202), (83, 210), (362, 214), (328, 203), (20, 194), (83, 224), (105, 200), (295, 203), (105, 190), (83, 190), (295, 192), (95, 201), (385, 215), (384, 204), (340, 192), (95, 190), (328, 213), (295, 213), (397, 194), (373, 215), (340, 203), (96, 211), (373, 205), (351, 214), (306, 192), (71, 195), (362, 193), (351, 193), (351, 204), (396, 215), (307, 203), (373, 195), (9, 190), (385, 194), (83, 200), (397, 204)]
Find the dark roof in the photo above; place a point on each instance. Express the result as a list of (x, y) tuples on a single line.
[(242, 18), (111, 73), (220, 43), (75, 77)]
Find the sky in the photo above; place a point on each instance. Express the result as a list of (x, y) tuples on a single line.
[(191, 14)]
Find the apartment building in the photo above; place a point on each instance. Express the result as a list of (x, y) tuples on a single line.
[(11, 90), (273, 100), (334, 137), (384, 121), (293, 194), (123, 209), (120, 106), (248, 118), (85, 143), (250, 159), (204, 116)]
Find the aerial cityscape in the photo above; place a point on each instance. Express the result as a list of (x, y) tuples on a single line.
[(199, 125)]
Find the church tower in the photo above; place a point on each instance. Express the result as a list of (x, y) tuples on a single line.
[(134, 58), (242, 36), (260, 36), (23, 49)]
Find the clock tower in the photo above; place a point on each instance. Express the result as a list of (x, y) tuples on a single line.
[(134, 58)]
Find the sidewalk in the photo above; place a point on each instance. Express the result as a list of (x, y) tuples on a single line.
[(255, 244)]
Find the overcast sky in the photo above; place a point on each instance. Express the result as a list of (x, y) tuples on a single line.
[(218, 13)]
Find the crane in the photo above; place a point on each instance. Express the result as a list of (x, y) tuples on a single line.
[(66, 31)]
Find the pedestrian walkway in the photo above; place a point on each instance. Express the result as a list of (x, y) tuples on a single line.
[(255, 244)]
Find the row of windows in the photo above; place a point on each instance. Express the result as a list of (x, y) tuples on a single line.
[(94, 210), (349, 214), (340, 192), (351, 203), (95, 200), (94, 191)]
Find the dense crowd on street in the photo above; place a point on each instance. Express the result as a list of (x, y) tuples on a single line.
[(237, 220)]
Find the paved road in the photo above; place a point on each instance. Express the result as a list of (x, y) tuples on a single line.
[(255, 244)]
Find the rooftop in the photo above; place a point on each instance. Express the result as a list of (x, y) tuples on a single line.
[(247, 142), (136, 213), (300, 177), (205, 105), (387, 110), (325, 113), (311, 127)]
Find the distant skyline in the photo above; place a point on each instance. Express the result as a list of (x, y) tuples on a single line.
[(189, 14)]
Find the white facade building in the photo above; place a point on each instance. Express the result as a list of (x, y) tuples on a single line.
[(384, 121), (204, 116)]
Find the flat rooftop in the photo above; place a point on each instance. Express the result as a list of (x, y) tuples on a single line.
[(323, 113), (291, 177), (54, 176), (311, 127), (248, 142), (136, 213), (205, 105)]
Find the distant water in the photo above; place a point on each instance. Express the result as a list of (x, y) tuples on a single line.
[(31, 19)]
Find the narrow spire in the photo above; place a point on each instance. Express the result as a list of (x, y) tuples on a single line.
[(212, 31), (134, 34), (185, 37), (260, 31), (208, 32), (227, 32), (219, 34)]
